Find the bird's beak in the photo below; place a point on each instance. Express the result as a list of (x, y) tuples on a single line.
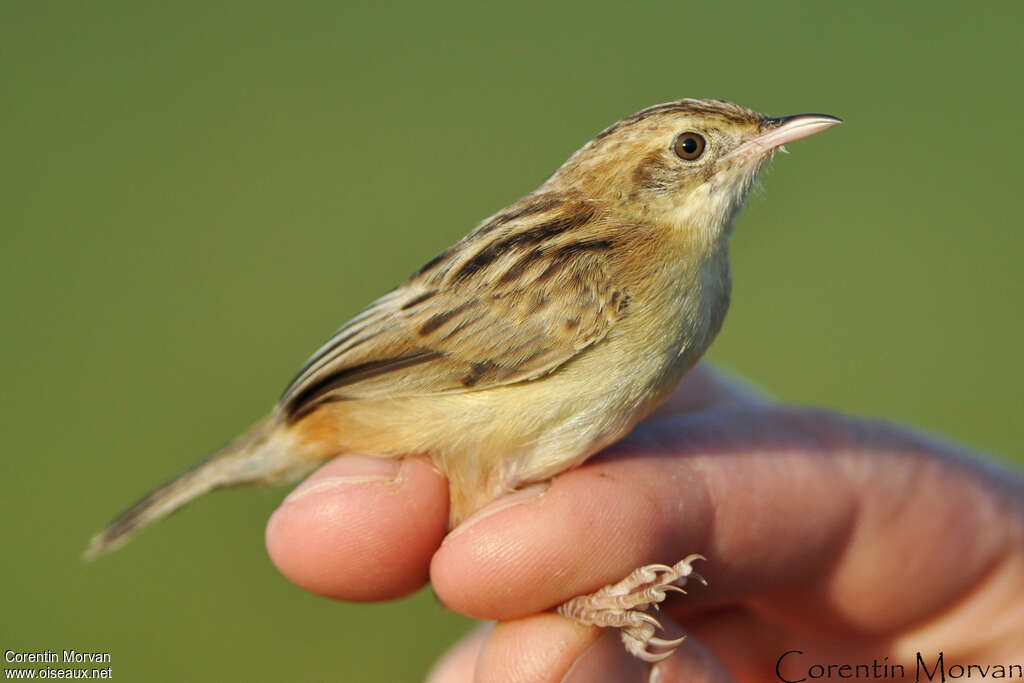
[(776, 132)]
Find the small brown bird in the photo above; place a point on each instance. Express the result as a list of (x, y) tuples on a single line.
[(535, 341)]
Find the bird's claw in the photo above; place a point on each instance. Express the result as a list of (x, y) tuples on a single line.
[(622, 605)]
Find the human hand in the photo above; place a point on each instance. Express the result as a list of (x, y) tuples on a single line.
[(847, 539)]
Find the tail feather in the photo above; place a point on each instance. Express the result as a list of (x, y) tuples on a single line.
[(258, 456)]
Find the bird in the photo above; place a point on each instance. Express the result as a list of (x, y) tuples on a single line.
[(538, 339)]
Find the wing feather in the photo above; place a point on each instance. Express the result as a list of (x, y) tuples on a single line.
[(516, 299)]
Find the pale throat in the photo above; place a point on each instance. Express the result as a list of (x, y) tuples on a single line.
[(706, 215)]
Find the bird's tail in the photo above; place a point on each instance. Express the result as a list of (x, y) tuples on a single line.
[(264, 454)]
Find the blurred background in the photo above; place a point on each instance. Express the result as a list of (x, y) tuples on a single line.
[(193, 195)]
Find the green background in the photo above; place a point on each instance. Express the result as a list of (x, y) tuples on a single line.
[(193, 195)]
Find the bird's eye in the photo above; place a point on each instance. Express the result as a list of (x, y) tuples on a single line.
[(688, 146)]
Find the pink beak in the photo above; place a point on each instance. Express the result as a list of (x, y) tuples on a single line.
[(776, 132)]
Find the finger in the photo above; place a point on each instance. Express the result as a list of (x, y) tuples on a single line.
[(706, 387), (547, 647), (839, 519), (642, 501), (458, 664), (361, 528)]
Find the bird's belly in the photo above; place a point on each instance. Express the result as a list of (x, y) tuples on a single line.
[(532, 431)]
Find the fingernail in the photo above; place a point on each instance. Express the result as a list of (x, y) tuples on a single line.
[(519, 497), (345, 471)]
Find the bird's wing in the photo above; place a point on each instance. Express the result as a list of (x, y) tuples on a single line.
[(515, 299)]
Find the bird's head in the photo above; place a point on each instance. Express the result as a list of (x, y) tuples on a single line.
[(688, 164)]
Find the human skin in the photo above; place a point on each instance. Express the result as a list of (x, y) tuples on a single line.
[(846, 538)]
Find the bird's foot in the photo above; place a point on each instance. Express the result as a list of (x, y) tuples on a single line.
[(623, 605)]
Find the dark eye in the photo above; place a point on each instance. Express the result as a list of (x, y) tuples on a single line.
[(688, 146)]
